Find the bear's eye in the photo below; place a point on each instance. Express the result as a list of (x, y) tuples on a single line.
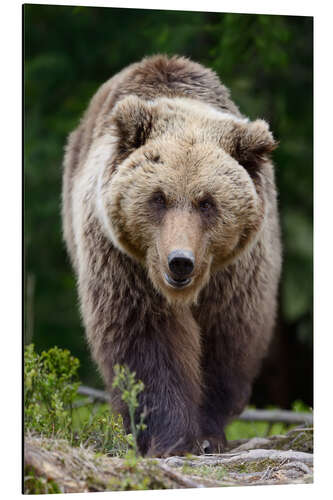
[(158, 199), (206, 205)]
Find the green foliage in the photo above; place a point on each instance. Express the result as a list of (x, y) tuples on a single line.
[(246, 430), (125, 381), (301, 407), (100, 429), (50, 386), (37, 485), (266, 60), (51, 400)]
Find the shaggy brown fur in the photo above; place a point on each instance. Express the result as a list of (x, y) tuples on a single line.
[(163, 162)]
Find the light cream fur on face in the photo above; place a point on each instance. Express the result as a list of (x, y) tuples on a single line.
[(192, 165)]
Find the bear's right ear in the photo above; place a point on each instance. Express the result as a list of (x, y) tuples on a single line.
[(133, 119)]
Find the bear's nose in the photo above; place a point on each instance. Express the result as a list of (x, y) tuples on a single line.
[(181, 263)]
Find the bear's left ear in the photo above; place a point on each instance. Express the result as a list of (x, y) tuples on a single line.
[(133, 118), (249, 143)]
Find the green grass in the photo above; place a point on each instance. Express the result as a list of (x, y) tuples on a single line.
[(246, 430)]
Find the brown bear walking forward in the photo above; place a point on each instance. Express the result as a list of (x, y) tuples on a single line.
[(170, 220)]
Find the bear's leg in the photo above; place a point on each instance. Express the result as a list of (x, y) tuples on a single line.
[(228, 371), (128, 323), (164, 352)]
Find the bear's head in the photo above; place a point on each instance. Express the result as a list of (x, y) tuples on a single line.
[(183, 190)]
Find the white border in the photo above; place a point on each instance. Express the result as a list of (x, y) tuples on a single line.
[(11, 243)]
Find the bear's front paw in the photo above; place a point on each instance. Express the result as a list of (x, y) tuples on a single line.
[(179, 448)]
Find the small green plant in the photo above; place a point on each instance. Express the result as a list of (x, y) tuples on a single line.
[(125, 381), (37, 485), (52, 407), (101, 430), (50, 387), (301, 407)]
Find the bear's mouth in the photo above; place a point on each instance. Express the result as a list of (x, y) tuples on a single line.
[(177, 283)]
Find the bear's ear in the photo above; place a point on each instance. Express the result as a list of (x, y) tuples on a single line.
[(249, 143), (133, 118)]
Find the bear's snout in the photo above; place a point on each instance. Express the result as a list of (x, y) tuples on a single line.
[(181, 264), (181, 247)]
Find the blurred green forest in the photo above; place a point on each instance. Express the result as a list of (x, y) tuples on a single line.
[(266, 61)]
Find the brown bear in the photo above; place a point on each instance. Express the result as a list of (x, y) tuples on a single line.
[(170, 219)]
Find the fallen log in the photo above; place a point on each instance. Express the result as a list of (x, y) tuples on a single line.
[(243, 457), (283, 416)]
